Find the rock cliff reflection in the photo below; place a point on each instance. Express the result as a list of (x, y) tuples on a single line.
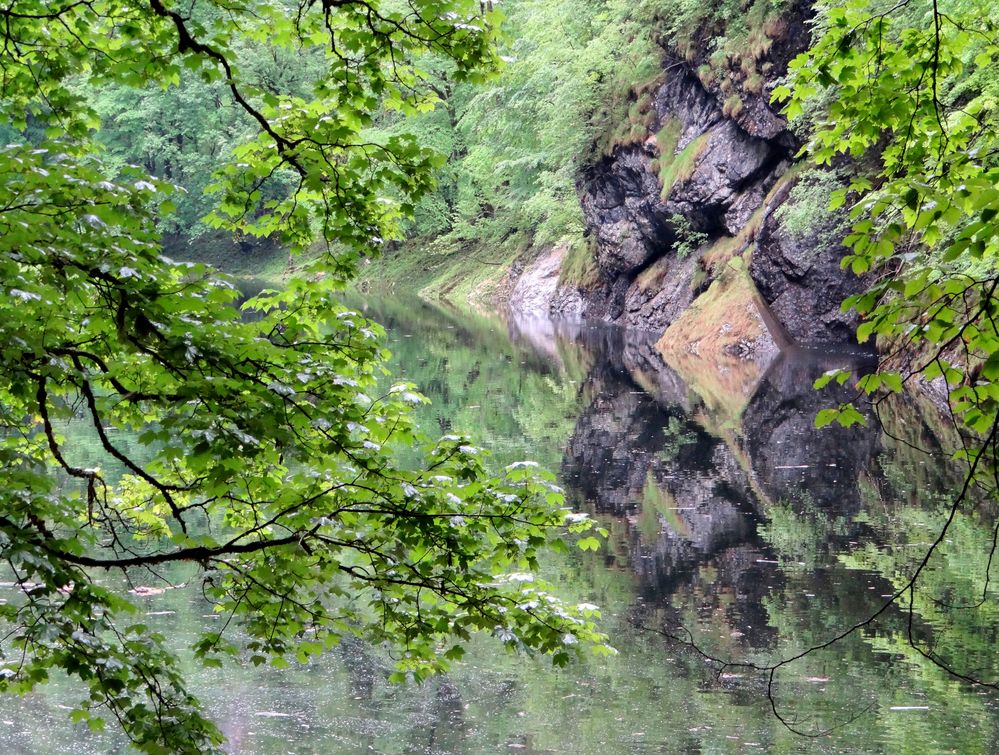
[(692, 467)]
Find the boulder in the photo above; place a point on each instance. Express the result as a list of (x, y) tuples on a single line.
[(620, 200)]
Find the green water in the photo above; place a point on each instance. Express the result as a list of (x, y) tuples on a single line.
[(730, 518)]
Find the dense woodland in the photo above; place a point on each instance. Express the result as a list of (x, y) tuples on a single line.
[(436, 145)]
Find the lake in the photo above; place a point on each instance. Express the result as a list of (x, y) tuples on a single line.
[(737, 531)]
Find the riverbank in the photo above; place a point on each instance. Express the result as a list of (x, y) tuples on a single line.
[(468, 276)]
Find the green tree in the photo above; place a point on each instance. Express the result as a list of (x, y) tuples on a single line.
[(264, 457), (906, 94), (182, 133), (515, 146)]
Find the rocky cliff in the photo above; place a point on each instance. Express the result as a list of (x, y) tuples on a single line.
[(686, 215)]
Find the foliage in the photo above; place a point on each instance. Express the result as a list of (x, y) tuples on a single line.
[(183, 132), (729, 42), (528, 133), (909, 92), (688, 238), (264, 454), (806, 215), (516, 146)]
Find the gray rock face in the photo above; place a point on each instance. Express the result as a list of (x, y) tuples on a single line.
[(721, 192), (683, 97), (621, 204), (658, 302), (537, 284), (756, 116), (719, 175), (720, 172), (801, 280), (731, 164), (621, 195), (538, 293), (568, 302)]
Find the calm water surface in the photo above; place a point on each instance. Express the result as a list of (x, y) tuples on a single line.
[(734, 524)]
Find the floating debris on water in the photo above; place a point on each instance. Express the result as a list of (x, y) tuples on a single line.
[(143, 590)]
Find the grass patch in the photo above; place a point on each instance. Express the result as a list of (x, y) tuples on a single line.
[(668, 137), (733, 106), (754, 84), (722, 251), (720, 318), (629, 117), (579, 267), (652, 277), (682, 166), (741, 38), (728, 248)]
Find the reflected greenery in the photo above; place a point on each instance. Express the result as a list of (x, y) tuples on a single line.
[(761, 538)]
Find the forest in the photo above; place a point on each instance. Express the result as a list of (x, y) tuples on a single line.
[(728, 273)]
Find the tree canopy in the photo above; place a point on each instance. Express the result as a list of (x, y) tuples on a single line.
[(905, 95), (261, 431)]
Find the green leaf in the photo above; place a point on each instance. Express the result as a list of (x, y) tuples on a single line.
[(826, 417)]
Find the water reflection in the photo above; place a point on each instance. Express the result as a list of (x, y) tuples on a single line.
[(742, 522), (787, 454), (729, 515), (691, 488)]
